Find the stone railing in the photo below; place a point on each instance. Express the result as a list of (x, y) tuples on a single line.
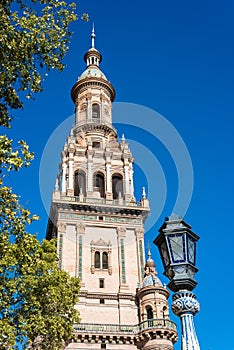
[(157, 323), (125, 329), (114, 202)]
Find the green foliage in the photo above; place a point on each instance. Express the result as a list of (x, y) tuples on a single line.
[(34, 37), (11, 159), (36, 298)]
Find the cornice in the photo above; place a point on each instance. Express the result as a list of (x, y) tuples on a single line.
[(100, 208), (102, 295), (151, 289), (94, 127), (85, 83)]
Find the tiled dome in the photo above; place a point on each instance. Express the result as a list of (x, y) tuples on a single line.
[(92, 72)]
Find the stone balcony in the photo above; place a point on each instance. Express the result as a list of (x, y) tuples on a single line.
[(122, 204), (134, 333), (114, 202), (95, 328)]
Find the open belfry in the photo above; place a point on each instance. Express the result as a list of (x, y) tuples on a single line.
[(99, 227)]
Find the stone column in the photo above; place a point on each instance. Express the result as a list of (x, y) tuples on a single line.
[(131, 179), (90, 154), (102, 109), (121, 233), (89, 112), (108, 178), (80, 231), (90, 178), (109, 260), (126, 179), (64, 173), (139, 232), (185, 305), (108, 182), (70, 178), (77, 115), (92, 257), (61, 233)]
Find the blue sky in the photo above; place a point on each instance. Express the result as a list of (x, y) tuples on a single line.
[(177, 59)]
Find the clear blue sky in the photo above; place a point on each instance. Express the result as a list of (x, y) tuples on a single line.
[(175, 57)]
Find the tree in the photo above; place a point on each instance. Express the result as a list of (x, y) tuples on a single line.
[(36, 298), (34, 37)]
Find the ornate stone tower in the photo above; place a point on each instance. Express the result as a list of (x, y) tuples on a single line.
[(99, 227)]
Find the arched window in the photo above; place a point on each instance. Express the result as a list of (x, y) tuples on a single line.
[(117, 186), (80, 183), (96, 113), (101, 256), (98, 184), (104, 260), (149, 311), (97, 260)]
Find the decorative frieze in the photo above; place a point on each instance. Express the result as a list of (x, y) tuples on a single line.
[(95, 217)]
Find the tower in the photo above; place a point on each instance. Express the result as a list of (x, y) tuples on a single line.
[(99, 227)]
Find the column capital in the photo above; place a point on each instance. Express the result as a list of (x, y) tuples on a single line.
[(62, 227), (80, 228), (185, 302), (121, 231), (139, 232)]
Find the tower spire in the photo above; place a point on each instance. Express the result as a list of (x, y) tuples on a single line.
[(149, 252), (93, 38), (93, 56)]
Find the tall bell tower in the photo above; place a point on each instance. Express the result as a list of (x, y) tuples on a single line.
[(99, 226)]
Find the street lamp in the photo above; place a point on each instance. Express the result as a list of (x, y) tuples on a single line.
[(177, 246)]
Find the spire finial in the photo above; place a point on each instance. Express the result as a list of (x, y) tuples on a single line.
[(149, 252), (143, 192), (93, 38)]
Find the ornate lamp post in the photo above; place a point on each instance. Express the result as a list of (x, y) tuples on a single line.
[(177, 247)]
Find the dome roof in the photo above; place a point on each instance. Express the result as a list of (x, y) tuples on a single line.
[(151, 281), (150, 262), (150, 278), (92, 72)]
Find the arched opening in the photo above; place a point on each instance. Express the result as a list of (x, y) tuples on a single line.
[(164, 312), (105, 260), (150, 315), (117, 186), (96, 113), (99, 184), (80, 183), (97, 260)]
